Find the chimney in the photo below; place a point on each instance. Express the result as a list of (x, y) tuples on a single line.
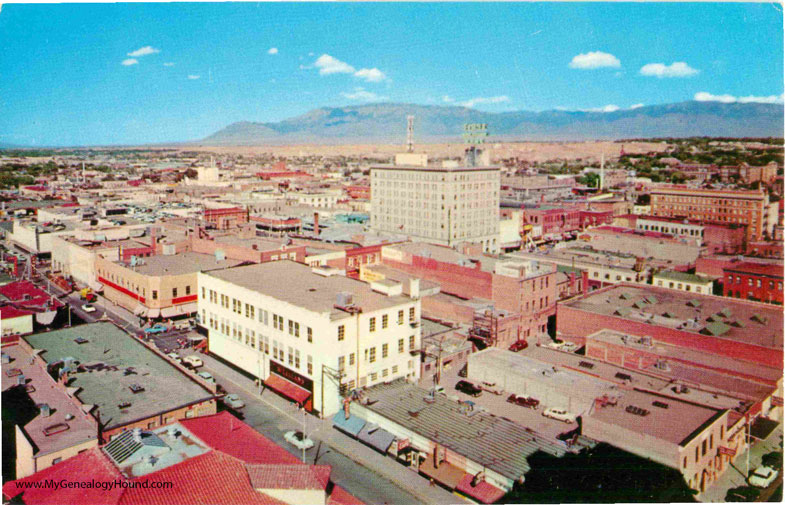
[(414, 288), (316, 223), (585, 281), (572, 283), (436, 456)]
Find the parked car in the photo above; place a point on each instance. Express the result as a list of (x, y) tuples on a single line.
[(491, 387), (569, 347), (438, 390), (156, 328), (559, 415), (193, 361), (207, 376), (182, 325), (174, 357), (468, 388), (763, 476), (298, 439), (555, 345), (742, 493), (88, 308), (519, 345), (233, 400), (524, 401)]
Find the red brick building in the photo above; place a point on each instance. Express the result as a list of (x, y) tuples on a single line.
[(753, 281), (554, 220), (226, 218)]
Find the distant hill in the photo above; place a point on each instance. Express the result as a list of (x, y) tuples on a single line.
[(386, 122)]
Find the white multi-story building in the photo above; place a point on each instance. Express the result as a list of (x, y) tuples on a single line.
[(440, 205), (310, 334)]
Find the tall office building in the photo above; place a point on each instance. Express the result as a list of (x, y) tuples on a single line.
[(444, 205)]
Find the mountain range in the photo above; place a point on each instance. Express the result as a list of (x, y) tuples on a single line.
[(386, 123)]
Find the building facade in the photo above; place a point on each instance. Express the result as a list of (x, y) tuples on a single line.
[(754, 281), (445, 206)]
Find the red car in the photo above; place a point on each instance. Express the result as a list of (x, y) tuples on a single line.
[(519, 346), (524, 401)]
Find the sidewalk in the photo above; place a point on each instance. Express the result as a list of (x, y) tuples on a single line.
[(321, 429)]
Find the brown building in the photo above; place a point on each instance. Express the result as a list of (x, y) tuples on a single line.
[(749, 208)]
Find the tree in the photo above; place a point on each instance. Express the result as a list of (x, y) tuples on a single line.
[(591, 179)]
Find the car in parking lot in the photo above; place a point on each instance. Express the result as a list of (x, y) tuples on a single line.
[(569, 347), (438, 390), (559, 414), (207, 376), (555, 345), (174, 357), (233, 401), (524, 401), (519, 345), (156, 328), (468, 388), (298, 439), (88, 308), (491, 387), (193, 361), (763, 476)]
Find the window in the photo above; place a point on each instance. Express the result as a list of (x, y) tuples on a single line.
[(351, 359), (384, 321), (411, 342), (204, 294), (310, 365), (341, 363), (400, 317), (310, 334), (372, 377), (253, 310), (372, 325), (297, 358), (384, 350), (411, 315), (297, 329), (384, 373), (291, 327), (57, 460), (341, 331), (400, 346), (703, 448), (155, 294), (290, 355), (395, 369), (188, 290), (372, 355)]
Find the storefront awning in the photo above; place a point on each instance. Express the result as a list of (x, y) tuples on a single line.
[(169, 312), (152, 313), (188, 308), (376, 437), (178, 310), (288, 389), (481, 491), (351, 426), (446, 474)]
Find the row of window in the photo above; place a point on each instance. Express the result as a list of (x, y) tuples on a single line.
[(752, 283), (125, 283)]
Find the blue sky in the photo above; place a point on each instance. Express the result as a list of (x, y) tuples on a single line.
[(141, 73)]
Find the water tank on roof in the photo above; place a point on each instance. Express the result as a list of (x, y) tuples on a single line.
[(45, 410), (344, 299)]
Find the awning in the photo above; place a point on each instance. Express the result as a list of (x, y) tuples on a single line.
[(288, 389), (169, 311), (179, 310), (482, 491), (376, 437), (195, 338), (351, 426), (45, 318), (188, 308), (446, 474), (152, 313)]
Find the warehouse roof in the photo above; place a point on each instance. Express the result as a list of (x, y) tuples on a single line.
[(183, 263), (497, 444), (109, 363), (673, 275)]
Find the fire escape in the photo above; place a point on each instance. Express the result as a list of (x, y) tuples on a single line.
[(485, 328)]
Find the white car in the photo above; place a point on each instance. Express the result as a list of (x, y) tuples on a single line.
[(298, 439), (559, 415), (193, 361), (763, 476), (555, 345), (569, 347), (88, 308), (174, 357), (491, 387), (438, 390)]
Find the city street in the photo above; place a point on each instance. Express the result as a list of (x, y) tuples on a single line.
[(372, 477)]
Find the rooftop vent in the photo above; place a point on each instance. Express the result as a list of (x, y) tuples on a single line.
[(136, 388), (6, 358), (21, 380), (81, 340), (586, 364), (631, 409), (660, 404), (45, 410), (623, 376), (123, 405), (344, 299)]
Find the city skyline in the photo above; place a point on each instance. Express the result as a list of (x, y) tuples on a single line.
[(156, 73)]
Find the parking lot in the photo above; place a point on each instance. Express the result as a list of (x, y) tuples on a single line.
[(498, 405)]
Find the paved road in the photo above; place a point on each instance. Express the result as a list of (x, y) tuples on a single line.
[(367, 474)]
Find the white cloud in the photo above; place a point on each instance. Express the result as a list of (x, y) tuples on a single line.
[(608, 108), (363, 95), (675, 69), (703, 96), (594, 59), (144, 51), (328, 65), (272, 50), (447, 99), (370, 74), (636, 106), (168, 64), (194, 77), (130, 61), (485, 100)]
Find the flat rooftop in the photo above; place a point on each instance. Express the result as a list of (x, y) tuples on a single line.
[(674, 421), (109, 363), (495, 443), (728, 318), (434, 168), (41, 388), (261, 243), (180, 264), (298, 285)]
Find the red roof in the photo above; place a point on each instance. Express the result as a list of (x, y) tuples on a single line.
[(202, 480), (298, 476), (748, 267), (28, 294), (10, 312), (484, 492), (72, 470), (226, 433), (340, 496), (288, 389)]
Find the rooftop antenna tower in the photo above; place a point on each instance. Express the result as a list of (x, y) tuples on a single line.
[(409, 134)]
